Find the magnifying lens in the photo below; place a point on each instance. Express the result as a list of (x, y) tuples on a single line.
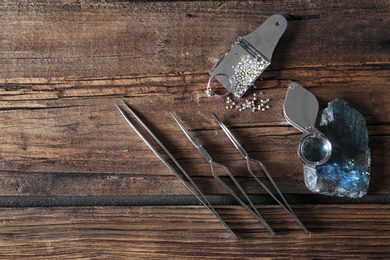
[(300, 110), (314, 148)]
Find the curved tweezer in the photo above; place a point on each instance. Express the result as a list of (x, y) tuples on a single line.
[(209, 159), (244, 154), (193, 187)]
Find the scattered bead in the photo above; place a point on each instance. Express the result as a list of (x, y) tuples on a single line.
[(252, 104)]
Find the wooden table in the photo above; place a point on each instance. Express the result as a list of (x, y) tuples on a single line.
[(77, 182)]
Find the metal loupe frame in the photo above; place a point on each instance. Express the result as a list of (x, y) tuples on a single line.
[(300, 109)]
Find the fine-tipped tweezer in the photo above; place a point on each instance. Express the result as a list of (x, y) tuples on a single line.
[(192, 186), (245, 155), (213, 164)]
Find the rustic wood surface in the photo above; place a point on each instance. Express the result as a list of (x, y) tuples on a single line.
[(65, 65), (349, 231)]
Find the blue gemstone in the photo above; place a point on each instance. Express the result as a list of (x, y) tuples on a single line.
[(347, 172)]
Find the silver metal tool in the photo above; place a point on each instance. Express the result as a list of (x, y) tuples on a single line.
[(191, 185), (252, 209), (249, 56), (301, 110), (245, 155)]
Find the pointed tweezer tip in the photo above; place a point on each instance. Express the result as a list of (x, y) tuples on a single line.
[(174, 117), (180, 124), (226, 131), (219, 121), (120, 109), (123, 103)]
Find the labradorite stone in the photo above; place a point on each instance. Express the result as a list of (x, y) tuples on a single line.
[(347, 172)]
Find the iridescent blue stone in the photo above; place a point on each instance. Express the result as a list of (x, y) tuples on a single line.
[(347, 172)]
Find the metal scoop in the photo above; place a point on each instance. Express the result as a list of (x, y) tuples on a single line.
[(249, 56)]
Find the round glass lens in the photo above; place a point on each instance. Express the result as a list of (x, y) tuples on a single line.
[(315, 149)]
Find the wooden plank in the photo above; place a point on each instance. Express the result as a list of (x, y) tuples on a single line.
[(71, 137), (91, 40), (337, 231)]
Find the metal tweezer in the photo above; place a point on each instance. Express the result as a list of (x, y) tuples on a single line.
[(252, 209), (244, 154), (191, 185)]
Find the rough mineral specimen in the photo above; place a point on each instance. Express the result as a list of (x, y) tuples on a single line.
[(347, 172)]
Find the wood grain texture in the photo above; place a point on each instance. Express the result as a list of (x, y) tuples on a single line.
[(66, 138), (46, 40), (64, 65), (337, 231)]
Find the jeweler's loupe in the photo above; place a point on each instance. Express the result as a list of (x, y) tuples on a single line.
[(300, 110)]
